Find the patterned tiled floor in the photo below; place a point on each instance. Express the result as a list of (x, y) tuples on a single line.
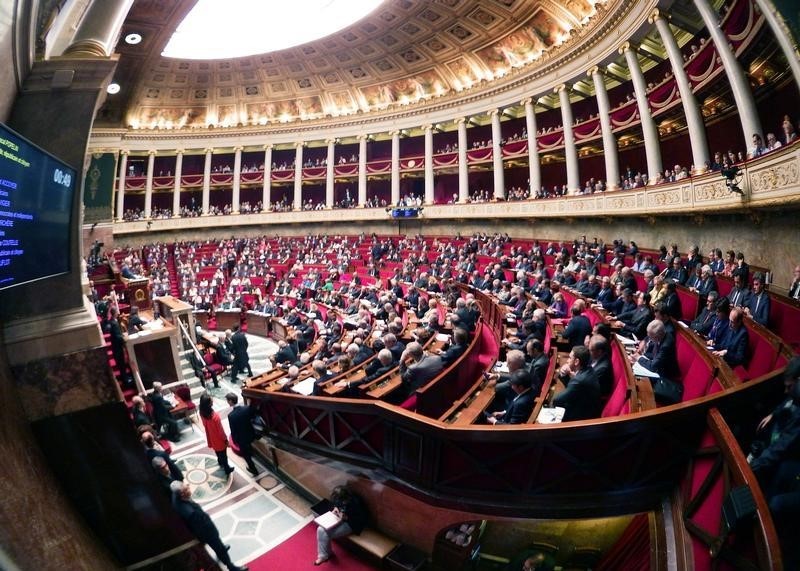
[(253, 514)]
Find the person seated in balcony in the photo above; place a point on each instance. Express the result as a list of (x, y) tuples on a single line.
[(521, 405), (581, 399), (758, 148), (733, 346), (758, 305)]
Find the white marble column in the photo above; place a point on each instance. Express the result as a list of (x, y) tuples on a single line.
[(266, 187), (534, 168), (570, 148), (497, 157), (329, 178), (463, 167), (395, 184), (176, 190), (691, 109), (429, 180), (362, 170), (298, 175), (237, 175), (148, 189), (123, 172), (745, 103), (99, 28), (610, 148), (783, 36), (207, 182), (652, 146)]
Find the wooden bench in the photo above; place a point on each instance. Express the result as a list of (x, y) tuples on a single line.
[(373, 542)]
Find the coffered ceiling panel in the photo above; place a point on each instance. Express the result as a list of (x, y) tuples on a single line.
[(404, 53)]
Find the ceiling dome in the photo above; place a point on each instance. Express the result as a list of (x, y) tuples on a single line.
[(402, 53)]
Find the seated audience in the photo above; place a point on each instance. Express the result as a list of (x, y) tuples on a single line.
[(581, 399)]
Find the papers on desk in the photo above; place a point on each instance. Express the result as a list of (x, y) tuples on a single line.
[(551, 415), (442, 337), (501, 367), (625, 341), (305, 387), (640, 371), (154, 325), (327, 520)]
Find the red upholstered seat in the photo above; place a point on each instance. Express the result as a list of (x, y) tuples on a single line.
[(218, 368), (410, 403)]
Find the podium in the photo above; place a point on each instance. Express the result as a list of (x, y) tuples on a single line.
[(154, 353), (173, 310), (138, 292)]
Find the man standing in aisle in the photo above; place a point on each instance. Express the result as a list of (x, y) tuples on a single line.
[(200, 524), (241, 360), (243, 434)]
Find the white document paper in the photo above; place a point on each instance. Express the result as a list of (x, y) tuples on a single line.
[(305, 387), (641, 371), (327, 520), (551, 415)]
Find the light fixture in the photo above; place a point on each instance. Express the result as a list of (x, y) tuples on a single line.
[(113, 88), (133, 39)]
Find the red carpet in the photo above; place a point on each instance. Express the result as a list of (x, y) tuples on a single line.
[(299, 552)]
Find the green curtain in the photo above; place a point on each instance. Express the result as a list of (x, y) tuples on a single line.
[(98, 188)]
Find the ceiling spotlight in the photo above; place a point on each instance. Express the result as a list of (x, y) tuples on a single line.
[(133, 39), (113, 88)]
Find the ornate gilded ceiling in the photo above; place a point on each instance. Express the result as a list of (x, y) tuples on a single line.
[(405, 53)]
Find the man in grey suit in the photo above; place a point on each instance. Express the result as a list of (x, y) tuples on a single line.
[(418, 367)]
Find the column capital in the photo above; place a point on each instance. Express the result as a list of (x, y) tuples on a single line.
[(656, 14), (124, 152), (562, 87), (208, 150), (628, 46), (330, 141), (268, 147), (395, 133), (527, 101), (179, 151), (152, 152), (363, 137), (494, 112), (461, 121), (299, 144), (428, 127), (594, 70), (238, 149)]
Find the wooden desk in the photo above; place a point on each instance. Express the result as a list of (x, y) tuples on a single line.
[(475, 406), (258, 323), (280, 331), (227, 318), (153, 355)]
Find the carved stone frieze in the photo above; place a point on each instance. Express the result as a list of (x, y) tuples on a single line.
[(774, 177)]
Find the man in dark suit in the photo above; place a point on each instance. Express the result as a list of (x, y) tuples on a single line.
[(521, 406), (708, 282), (162, 415), (703, 322), (538, 363), (733, 346), (606, 294), (200, 524), (320, 369), (635, 322), (457, 346), (676, 273), (794, 287), (659, 355), (739, 296), (601, 364), (241, 360), (285, 354), (758, 304), (579, 327), (243, 434), (149, 443), (581, 398)]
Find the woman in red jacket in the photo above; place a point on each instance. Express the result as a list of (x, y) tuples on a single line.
[(215, 434)]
